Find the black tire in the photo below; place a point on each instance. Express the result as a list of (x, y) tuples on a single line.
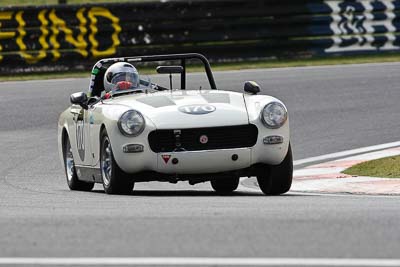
[(70, 172), (224, 186), (276, 179), (115, 180)]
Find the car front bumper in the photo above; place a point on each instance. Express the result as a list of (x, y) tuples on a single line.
[(205, 161), (202, 161)]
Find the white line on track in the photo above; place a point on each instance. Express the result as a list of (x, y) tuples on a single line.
[(203, 261), (346, 153)]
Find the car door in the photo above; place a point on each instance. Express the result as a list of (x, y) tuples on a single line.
[(79, 132), (95, 119)]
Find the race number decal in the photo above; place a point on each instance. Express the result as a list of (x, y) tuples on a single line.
[(197, 109), (80, 138)]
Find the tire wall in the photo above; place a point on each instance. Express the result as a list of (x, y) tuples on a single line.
[(74, 37)]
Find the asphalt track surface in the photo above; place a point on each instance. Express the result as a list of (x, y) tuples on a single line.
[(331, 109)]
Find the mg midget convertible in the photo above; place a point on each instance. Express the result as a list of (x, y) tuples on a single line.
[(127, 129)]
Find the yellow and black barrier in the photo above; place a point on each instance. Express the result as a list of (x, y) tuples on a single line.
[(71, 37)]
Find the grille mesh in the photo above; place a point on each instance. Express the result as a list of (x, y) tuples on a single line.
[(189, 139)]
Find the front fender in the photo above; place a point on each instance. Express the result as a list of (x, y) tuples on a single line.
[(272, 154), (62, 130), (128, 162)]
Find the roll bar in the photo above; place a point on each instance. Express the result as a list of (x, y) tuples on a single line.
[(182, 57)]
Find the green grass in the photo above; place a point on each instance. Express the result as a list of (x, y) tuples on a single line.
[(273, 63), (387, 168)]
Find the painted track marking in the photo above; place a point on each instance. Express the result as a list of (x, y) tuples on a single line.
[(203, 261), (345, 153)]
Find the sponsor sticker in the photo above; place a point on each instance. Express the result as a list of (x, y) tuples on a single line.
[(91, 119), (204, 139), (95, 71), (166, 158)]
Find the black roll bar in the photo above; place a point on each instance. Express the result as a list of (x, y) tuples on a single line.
[(181, 57)]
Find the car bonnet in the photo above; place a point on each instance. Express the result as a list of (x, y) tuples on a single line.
[(188, 109)]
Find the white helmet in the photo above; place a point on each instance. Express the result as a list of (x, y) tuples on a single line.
[(121, 76)]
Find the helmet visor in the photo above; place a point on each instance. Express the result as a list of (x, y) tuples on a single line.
[(125, 81)]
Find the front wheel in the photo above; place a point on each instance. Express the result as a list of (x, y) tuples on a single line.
[(225, 186), (276, 179), (115, 181), (70, 172)]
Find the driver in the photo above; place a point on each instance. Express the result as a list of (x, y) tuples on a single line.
[(121, 76)]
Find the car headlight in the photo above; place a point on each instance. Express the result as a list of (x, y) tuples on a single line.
[(131, 123), (274, 115)]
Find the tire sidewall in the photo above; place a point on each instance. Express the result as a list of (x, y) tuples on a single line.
[(225, 186), (119, 182), (104, 138), (74, 183), (71, 182), (277, 179)]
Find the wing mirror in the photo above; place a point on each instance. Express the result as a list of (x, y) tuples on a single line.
[(79, 99), (251, 87), (170, 70)]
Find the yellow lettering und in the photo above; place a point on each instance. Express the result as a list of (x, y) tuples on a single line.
[(41, 54), (5, 35), (103, 12), (59, 25)]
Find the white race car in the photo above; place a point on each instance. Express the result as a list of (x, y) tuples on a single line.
[(154, 133)]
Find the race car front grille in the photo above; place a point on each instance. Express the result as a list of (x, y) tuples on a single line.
[(195, 139)]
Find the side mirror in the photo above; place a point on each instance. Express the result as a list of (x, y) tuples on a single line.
[(169, 69), (251, 87), (79, 99)]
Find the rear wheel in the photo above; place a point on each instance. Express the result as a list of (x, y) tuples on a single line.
[(115, 180), (72, 178), (225, 186), (276, 179)]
